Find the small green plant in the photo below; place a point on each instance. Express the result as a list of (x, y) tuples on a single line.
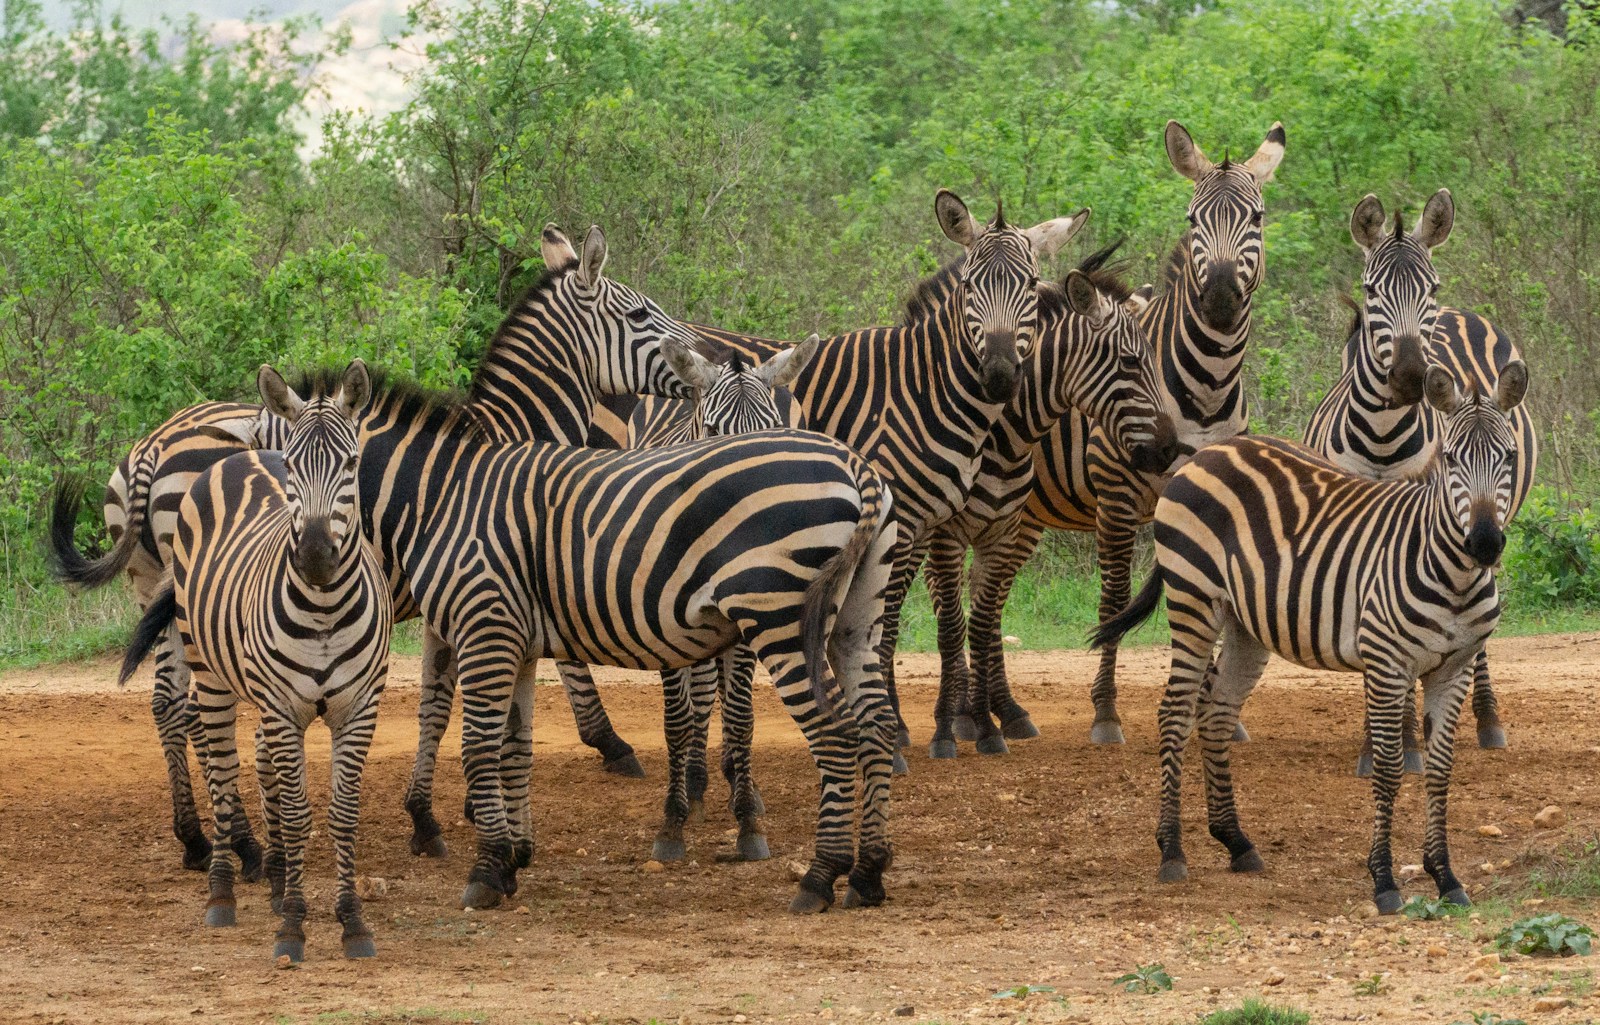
[(1021, 992), (1554, 935), (1373, 985), (1255, 1012), (1147, 978), (1489, 1018), (1428, 910)]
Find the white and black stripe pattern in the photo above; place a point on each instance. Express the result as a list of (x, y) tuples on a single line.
[(1199, 326), (1265, 545), (1092, 356), (281, 602), (1373, 420)]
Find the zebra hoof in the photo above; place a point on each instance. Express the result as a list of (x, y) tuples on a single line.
[(854, 899), (753, 847), (808, 902), (993, 745), (360, 946), (1413, 762), (1247, 863), (965, 728), (1388, 902), (697, 810), (294, 950), (1173, 870), (627, 765), (1458, 897), (1364, 765), (901, 767), (1240, 734), (480, 896), (1491, 736), (668, 850), (221, 915), (433, 847), (1021, 728), (1107, 732), (941, 749)]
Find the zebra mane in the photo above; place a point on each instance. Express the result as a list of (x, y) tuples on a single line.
[(1177, 260), (1106, 276), (1399, 226), (411, 399), (930, 290), (503, 335), (737, 362), (1227, 161)]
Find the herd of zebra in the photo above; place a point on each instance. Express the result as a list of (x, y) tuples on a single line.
[(620, 488)]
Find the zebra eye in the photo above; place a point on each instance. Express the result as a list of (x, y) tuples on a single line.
[(352, 460), (1193, 223), (1434, 290), (1255, 219), (1130, 362), (639, 316)]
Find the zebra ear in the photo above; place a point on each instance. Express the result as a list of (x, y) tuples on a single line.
[(957, 221), (1048, 238), (354, 388), (593, 260), (781, 370), (277, 396), (1140, 298), (1366, 222), (1512, 386), (556, 248), (692, 368), (1269, 156), (1085, 299), (1186, 157), (1438, 217), (1441, 390)]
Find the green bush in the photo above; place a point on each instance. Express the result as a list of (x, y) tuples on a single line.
[(1553, 556), (1256, 1012), (1554, 935)]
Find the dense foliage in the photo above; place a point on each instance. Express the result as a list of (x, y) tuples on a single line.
[(758, 165)]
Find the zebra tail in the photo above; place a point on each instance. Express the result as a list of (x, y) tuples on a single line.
[(67, 564), (818, 604), (152, 627), (1110, 633)]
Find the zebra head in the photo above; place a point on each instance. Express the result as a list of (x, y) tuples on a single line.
[(1113, 376), (999, 282), (320, 460), (737, 397), (1478, 456), (624, 329), (1226, 257), (1400, 291)]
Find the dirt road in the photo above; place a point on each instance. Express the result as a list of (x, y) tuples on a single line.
[(1036, 869)]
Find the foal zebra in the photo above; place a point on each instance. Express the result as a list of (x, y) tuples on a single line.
[(1264, 544), (1198, 325), (1373, 420), (731, 398), (280, 601), (573, 337), (1092, 356)]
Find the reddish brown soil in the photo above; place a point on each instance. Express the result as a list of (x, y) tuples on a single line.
[(1035, 869)]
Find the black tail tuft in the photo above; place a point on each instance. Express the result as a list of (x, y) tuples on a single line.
[(1110, 633), (67, 564), (152, 627)]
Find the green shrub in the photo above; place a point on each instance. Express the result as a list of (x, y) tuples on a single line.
[(1553, 558), (1554, 935), (1256, 1012)]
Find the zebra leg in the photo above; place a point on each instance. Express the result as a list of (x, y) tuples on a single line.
[(286, 746), (996, 560), (175, 721), (675, 690), (433, 716), (594, 725), (908, 555), (1485, 707), (1194, 633), (943, 574), (852, 649), (1116, 527), (1387, 692), (488, 673), (1443, 695), (218, 711), (352, 738), (267, 782), (1411, 731), (737, 678), (703, 680), (1229, 683), (516, 767)]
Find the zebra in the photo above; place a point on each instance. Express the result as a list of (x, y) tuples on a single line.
[(645, 559), (1092, 356), (1373, 420), (574, 336), (1266, 545), (281, 602), (731, 398), (1199, 327)]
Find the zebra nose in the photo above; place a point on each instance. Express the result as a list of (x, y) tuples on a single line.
[(1221, 296), (1485, 542), (316, 555), (1000, 361), (1409, 370)]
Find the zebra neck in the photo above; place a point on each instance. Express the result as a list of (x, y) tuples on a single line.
[(537, 379), (1387, 439), (310, 603), (1201, 368)]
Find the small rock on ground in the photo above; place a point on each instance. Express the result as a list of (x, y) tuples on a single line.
[(1491, 831), (1550, 817), (1544, 1005)]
